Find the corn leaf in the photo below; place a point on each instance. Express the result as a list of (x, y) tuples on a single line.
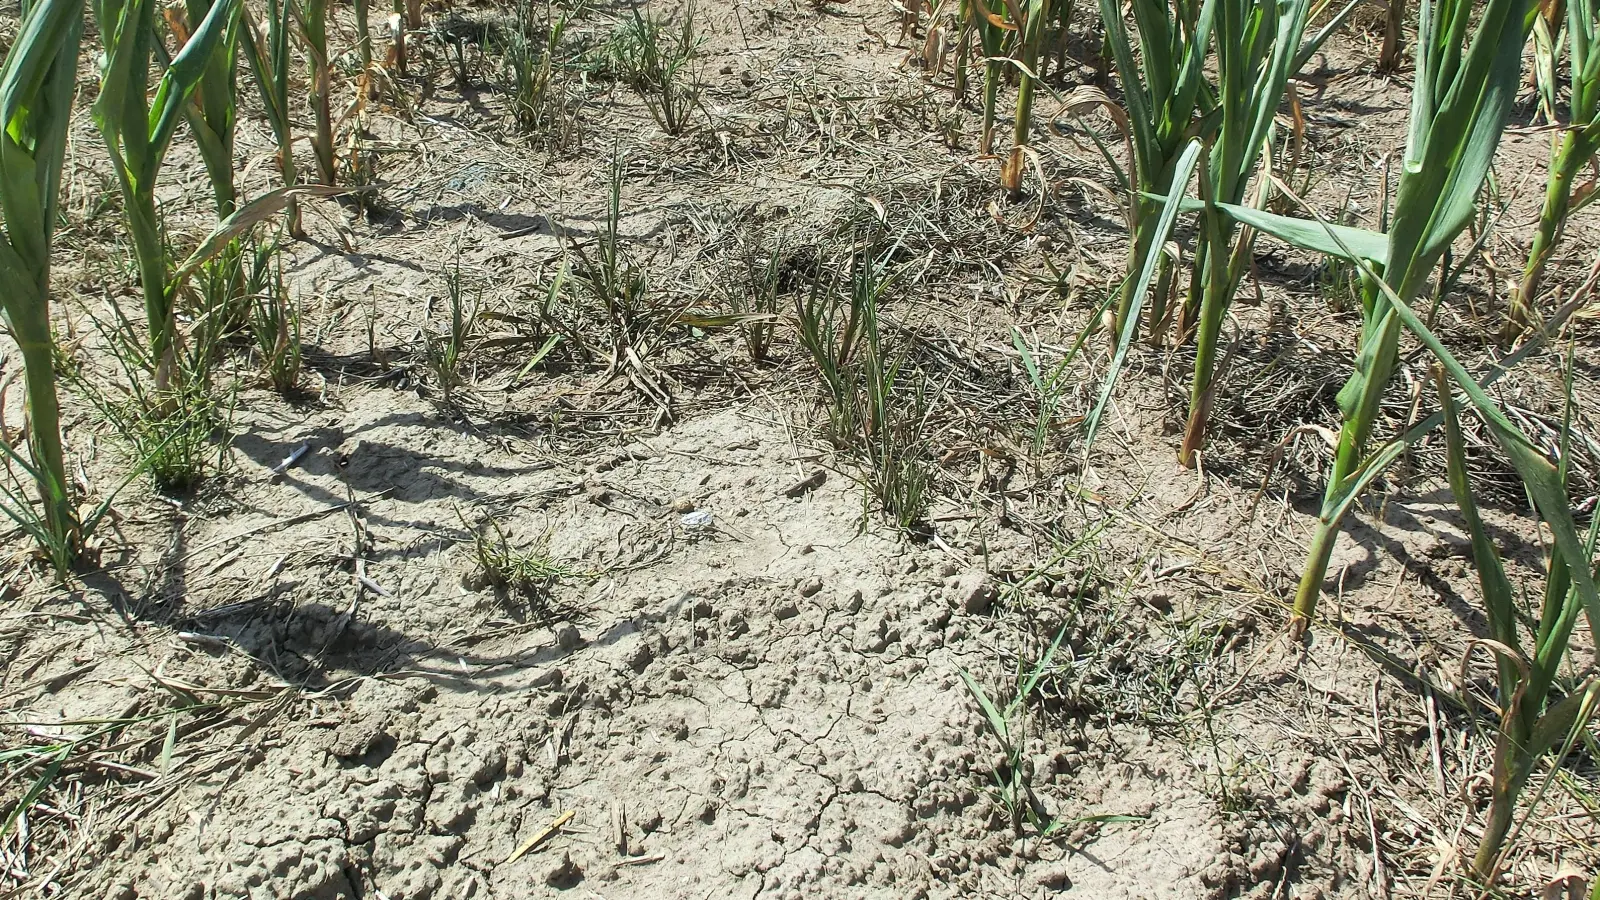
[(1540, 478), (1169, 214), (247, 217), (1498, 596), (1346, 242), (188, 67)]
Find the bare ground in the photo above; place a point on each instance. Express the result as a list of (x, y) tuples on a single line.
[(301, 685)]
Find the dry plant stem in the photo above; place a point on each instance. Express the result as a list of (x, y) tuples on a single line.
[(1394, 39), (1038, 13), (397, 29)]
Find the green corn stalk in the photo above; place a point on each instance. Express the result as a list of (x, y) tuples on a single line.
[(312, 17), (1576, 147), (363, 34), (1162, 88), (1035, 16), (269, 58), (36, 92), (138, 127), (1258, 47), (1529, 724), (211, 114), (991, 30), (211, 117), (1460, 100), (1171, 205)]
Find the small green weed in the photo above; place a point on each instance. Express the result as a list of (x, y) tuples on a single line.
[(873, 404), (1010, 727), (658, 61), (445, 352), (543, 104), (755, 301), (274, 321), (530, 572)]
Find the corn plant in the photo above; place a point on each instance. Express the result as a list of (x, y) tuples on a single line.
[(363, 34), (211, 112), (211, 118), (312, 18), (1532, 720), (1575, 147), (1258, 46), (36, 92), (1459, 102), (991, 31), (1162, 87), (269, 58), (1184, 169), (138, 127), (1035, 15)]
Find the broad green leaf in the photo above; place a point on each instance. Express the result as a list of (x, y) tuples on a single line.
[(1539, 477), (186, 70), (1348, 242)]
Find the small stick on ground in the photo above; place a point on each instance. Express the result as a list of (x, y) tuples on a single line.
[(540, 837)]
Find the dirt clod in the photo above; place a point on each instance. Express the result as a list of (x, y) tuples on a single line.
[(975, 592)]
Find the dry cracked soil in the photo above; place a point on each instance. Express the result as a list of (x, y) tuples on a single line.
[(720, 670)]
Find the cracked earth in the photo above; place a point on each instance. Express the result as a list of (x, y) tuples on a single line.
[(767, 706)]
